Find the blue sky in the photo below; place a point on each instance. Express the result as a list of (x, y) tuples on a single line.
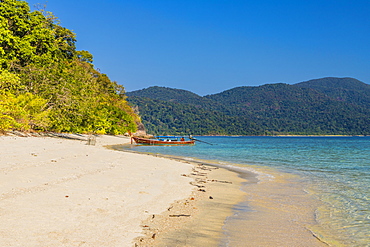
[(208, 46)]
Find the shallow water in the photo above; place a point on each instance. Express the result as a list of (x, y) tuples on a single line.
[(333, 170)]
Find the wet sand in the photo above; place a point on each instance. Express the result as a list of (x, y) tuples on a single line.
[(265, 208), (199, 219), (277, 212)]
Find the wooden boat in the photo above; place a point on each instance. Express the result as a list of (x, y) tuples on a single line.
[(163, 140)]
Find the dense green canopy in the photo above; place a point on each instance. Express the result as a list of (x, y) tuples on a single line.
[(46, 84), (327, 106)]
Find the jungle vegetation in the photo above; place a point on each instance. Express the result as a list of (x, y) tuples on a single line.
[(48, 85), (327, 106)]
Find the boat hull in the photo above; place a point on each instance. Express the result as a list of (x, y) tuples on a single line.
[(146, 141)]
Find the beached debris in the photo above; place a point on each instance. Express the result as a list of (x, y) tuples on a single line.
[(197, 185), (195, 174), (91, 140), (207, 168), (220, 181), (179, 215), (198, 180)]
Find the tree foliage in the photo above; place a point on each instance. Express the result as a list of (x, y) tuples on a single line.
[(171, 118), (303, 109), (57, 86)]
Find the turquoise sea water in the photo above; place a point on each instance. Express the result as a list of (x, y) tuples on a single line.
[(336, 169)]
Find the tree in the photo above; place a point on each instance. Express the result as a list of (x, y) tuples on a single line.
[(57, 86)]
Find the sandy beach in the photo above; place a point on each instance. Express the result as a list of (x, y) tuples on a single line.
[(59, 192)]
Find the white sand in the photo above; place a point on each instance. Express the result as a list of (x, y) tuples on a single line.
[(59, 192)]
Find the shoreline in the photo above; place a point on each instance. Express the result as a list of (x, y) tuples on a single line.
[(284, 135), (95, 196), (73, 203), (275, 209), (199, 219)]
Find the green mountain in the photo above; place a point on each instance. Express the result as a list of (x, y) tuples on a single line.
[(312, 107), (170, 118), (169, 94), (344, 89), (179, 96)]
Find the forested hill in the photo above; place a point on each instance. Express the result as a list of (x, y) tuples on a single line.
[(344, 89), (48, 85), (327, 106), (176, 96)]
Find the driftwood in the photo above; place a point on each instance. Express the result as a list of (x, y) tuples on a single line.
[(179, 215)]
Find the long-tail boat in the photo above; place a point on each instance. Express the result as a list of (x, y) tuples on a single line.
[(163, 140)]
